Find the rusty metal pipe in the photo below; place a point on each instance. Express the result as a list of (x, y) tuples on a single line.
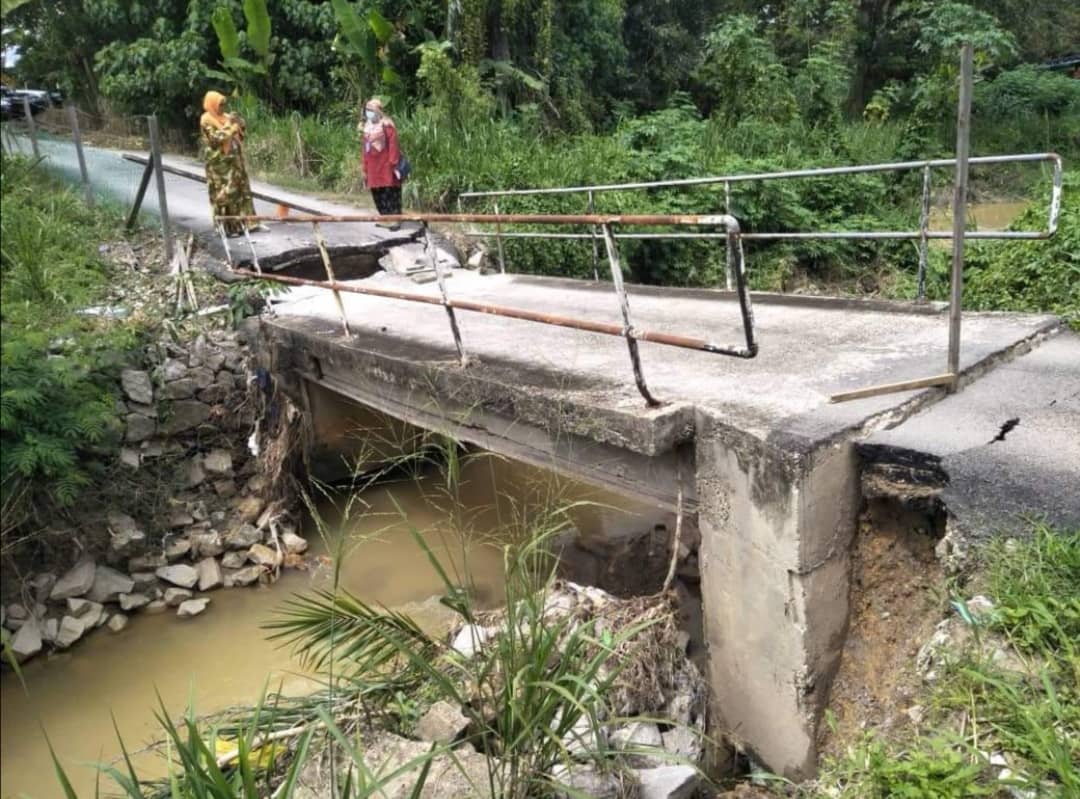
[(589, 326)]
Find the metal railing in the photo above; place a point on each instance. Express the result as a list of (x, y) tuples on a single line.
[(606, 225), (923, 235)]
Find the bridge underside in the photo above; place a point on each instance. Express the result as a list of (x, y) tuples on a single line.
[(768, 463)]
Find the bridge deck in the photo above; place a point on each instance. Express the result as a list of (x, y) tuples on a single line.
[(810, 348)]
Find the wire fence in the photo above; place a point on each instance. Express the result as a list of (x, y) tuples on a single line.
[(83, 149), (87, 149)]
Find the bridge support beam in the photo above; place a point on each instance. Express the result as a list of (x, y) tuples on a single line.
[(777, 519)]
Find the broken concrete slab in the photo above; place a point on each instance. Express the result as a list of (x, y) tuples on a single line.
[(1005, 447), (412, 261)]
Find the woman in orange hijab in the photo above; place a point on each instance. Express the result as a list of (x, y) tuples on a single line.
[(226, 177)]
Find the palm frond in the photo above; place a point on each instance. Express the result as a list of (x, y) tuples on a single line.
[(342, 627)]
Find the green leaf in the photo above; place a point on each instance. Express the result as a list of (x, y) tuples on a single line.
[(390, 77), (356, 33), (380, 26), (258, 26), (225, 28), (61, 775), (243, 66)]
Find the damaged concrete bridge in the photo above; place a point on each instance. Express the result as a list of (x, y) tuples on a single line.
[(770, 466), (774, 470)]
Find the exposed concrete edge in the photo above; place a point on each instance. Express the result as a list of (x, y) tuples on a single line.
[(784, 508), (294, 257), (766, 297), (646, 478), (643, 431)]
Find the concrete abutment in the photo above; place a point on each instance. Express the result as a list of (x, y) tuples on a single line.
[(767, 464), (776, 515), (776, 525)]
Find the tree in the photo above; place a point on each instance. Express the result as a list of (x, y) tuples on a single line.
[(741, 75)]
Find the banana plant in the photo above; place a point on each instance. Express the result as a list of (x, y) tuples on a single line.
[(363, 37), (7, 6), (245, 74)]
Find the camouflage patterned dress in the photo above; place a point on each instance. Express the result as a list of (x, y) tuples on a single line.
[(226, 176)]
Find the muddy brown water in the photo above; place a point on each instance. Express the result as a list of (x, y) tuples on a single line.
[(222, 658), (981, 216)]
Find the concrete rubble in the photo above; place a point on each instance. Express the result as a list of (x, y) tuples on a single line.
[(75, 582), (179, 574), (192, 607), (442, 723), (108, 585), (174, 596), (117, 622), (668, 782), (210, 576)]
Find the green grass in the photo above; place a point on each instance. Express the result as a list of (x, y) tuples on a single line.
[(1025, 706), (58, 366), (1037, 587), (1030, 276)]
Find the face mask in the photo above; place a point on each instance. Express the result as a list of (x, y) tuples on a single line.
[(371, 116)]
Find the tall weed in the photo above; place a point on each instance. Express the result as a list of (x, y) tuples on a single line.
[(58, 367)]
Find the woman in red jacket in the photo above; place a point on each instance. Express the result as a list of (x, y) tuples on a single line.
[(381, 156)]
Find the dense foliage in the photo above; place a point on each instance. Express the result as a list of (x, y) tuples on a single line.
[(59, 366), (576, 65), (1031, 276), (511, 93)]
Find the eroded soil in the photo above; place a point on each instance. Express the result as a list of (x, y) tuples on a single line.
[(897, 596)]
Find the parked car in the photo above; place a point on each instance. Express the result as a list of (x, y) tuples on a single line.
[(39, 101)]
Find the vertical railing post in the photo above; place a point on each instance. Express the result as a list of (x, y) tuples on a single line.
[(433, 256), (963, 141), (254, 252), (729, 277), (140, 193), (159, 175), (595, 242), (224, 242), (735, 255), (624, 306), (499, 241), (73, 116), (30, 124), (325, 253), (924, 237)]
